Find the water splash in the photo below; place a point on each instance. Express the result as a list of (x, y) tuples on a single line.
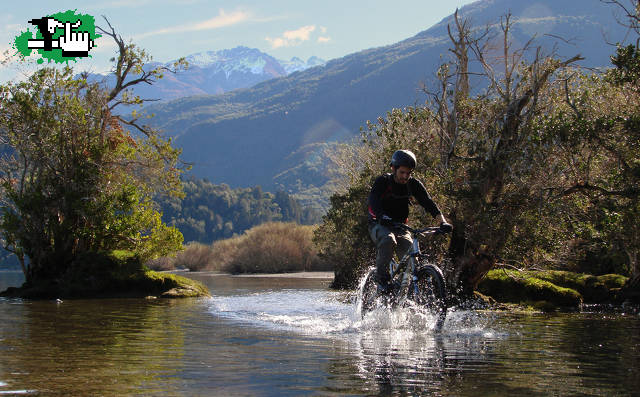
[(306, 311), (327, 313)]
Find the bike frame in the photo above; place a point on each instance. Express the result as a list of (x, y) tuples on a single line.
[(409, 262), (407, 278)]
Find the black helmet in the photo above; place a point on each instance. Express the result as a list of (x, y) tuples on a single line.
[(403, 158)]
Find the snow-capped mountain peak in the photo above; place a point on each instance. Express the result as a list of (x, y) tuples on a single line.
[(216, 72), (296, 64), (248, 60)]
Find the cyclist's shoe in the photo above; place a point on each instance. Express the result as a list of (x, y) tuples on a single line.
[(385, 293)]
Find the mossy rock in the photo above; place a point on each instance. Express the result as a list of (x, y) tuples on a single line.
[(522, 288), (593, 289), (111, 274)]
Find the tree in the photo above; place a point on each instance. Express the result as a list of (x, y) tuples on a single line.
[(493, 157), (76, 176), (598, 130), (481, 155)]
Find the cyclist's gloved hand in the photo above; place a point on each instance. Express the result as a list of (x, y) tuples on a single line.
[(386, 221), (445, 227)]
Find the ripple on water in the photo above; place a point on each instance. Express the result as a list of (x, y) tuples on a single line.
[(14, 392)]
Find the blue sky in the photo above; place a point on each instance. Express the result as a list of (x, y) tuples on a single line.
[(169, 29)]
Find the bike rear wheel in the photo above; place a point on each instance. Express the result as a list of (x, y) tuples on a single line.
[(429, 291)]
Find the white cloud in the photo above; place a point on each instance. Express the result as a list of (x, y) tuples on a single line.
[(8, 33), (219, 21), (301, 34), (323, 39), (292, 38), (5, 53), (277, 42), (14, 27)]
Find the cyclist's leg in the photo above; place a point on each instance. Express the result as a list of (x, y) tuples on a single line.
[(386, 243), (404, 242)]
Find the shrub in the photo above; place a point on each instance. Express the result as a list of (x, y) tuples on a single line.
[(195, 257), (270, 248), (273, 247), (116, 273)]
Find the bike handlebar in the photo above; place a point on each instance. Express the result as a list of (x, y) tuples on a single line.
[(426, 230)]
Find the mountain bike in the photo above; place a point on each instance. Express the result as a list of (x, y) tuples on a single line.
[(414, 282)]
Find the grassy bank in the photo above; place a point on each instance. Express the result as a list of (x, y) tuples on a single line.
[(273, 247), (551, 290), (114, 274)]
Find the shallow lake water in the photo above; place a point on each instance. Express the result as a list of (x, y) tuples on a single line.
[(265, 336)]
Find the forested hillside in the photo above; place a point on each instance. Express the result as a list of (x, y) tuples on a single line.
[(211, 212)]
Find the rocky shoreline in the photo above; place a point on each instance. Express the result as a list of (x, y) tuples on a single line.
[(109, 275)]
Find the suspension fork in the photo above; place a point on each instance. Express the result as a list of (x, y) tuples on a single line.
[(409, 277)]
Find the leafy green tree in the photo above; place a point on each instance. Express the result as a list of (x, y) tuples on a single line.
[(75, 176), (343, 236), (480, 155)]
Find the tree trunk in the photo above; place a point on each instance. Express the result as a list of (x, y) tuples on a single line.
[(470, 263), (633, 262), (23, 266), (631, 290)]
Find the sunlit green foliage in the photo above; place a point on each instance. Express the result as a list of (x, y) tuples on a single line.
[(74, 180)]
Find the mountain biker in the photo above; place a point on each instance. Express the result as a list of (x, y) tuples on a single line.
[(388, 204)]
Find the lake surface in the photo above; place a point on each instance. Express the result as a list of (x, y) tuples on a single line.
[(261, 336)]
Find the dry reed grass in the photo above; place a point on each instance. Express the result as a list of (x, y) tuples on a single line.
[(273, 247)]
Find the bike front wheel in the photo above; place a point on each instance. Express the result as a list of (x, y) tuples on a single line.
[(368, 292), (428, 291)]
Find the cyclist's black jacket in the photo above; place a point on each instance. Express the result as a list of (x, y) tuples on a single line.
[(392, 199)]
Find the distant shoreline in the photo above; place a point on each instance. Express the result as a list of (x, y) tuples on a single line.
[(318, 275), (290, 275)]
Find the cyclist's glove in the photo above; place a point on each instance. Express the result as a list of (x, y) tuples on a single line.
[(445, 227), (386, 221)]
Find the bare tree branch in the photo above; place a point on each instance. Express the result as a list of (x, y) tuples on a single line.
[(126, 64)]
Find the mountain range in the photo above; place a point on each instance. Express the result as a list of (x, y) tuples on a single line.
[(275, 133), (216, 72)]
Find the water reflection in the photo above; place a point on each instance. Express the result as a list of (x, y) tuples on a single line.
[(410, 360), (260, 336), (99, 347), (387, 350)]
